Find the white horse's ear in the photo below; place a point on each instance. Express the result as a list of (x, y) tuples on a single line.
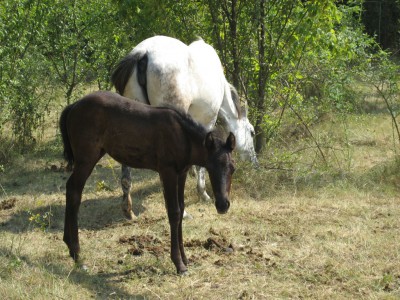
[(209, 141), (231, 141)]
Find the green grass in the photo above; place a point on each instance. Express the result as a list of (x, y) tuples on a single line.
[(298, 228)]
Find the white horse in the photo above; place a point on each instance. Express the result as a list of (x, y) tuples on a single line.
[(164, 71)]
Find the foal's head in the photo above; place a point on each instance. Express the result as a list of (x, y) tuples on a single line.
[(220, 168)]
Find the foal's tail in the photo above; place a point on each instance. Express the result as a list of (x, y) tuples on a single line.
[(68, 154)]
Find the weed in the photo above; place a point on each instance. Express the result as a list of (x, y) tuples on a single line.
[(110, 165), (102, 186), (41, 221), (388, 282), (15, 262), (3, 190)]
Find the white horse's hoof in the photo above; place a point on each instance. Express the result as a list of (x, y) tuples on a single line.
[(205, 197), (129, 215), (187, 216)]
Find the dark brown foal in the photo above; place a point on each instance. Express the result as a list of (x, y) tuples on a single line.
[(141, 136)]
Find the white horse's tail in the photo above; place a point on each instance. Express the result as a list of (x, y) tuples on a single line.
[(124, 70)]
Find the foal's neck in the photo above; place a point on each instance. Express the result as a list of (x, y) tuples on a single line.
[(198, 154)]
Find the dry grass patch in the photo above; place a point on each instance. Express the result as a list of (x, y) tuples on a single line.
[(327, 244)]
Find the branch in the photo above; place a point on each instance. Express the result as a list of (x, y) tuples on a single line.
[(390, 109), (310, 133)]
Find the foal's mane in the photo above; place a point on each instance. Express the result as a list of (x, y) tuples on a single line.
[(192, 127)]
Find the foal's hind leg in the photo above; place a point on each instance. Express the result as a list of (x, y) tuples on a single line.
[(75, 185), (126, 183)]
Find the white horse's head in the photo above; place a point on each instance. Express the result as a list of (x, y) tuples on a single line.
[(234, 119), (244, 133)]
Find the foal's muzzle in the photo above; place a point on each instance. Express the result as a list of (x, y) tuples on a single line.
[(222, 207)]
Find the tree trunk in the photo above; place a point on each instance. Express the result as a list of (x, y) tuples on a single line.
[(262, 80), (233, 34), (231, 11)]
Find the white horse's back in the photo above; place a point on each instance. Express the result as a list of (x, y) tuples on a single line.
[(207, 81), (188, 77), (166, 74)]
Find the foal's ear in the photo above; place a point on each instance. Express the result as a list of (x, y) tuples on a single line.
[(209, 141), (231, 141)]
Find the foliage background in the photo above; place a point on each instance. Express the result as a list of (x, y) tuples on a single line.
[(294, 62)]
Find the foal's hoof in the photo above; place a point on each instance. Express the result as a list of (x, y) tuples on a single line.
[(184, 273), (81, 266), (84, 268)]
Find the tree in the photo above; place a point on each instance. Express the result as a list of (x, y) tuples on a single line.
[(145, 18), (23, 69), (81, 42), (285, 57)]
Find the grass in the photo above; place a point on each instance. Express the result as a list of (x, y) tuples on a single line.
[(297, 231)]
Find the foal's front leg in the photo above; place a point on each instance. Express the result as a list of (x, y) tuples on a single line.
[(169, 180), (181, 201), (126, 184), (201, 172)]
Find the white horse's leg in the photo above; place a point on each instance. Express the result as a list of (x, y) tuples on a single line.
[(126, 183), (201, 184), (201, 172)]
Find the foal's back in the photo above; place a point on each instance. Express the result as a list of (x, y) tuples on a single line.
[(132, 133)]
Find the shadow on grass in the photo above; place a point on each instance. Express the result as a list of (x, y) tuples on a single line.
[(94, 213), (46, 174), (100, 285)]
